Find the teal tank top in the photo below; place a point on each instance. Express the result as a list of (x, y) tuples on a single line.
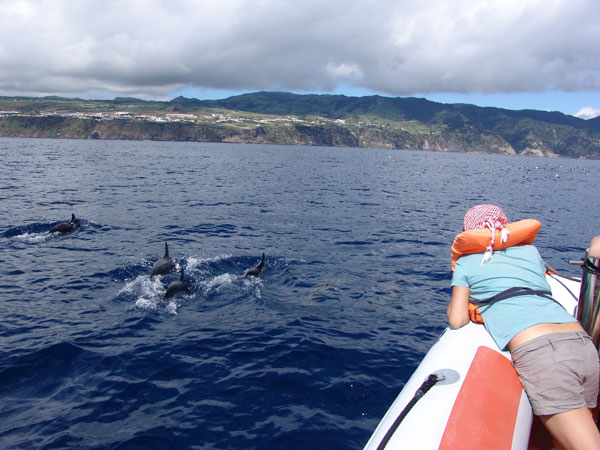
[(515, 266)]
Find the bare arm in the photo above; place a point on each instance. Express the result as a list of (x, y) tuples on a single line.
[(595, 247), (458, 312)]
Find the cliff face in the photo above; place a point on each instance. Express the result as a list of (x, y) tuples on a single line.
[(74, 128), (282, 118), (298, 134)]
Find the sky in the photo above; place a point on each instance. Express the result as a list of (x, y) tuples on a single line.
[(515, 54)]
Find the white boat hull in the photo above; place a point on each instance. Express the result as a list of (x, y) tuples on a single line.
[(480, 405)]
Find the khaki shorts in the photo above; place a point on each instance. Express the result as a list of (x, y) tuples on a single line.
[(559, 372)]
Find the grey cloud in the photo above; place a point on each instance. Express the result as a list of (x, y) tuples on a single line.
[(154, 47)]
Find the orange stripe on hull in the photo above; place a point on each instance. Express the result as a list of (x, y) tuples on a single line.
[(485, 411)]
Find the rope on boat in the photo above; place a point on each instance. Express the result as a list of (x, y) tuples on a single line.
[(427, 384), (589, 267), (554, 275)]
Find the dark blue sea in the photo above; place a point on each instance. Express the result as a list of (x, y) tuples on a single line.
[(309, 355)]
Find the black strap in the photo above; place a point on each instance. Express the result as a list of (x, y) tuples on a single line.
[(590, 267), (514, 292)]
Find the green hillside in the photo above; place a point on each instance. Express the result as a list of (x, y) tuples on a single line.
[(286, 118)]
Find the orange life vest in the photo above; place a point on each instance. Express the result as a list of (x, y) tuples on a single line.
[(474, 313), (476, 241)]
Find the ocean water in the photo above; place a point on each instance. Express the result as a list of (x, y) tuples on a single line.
[(310, 355)]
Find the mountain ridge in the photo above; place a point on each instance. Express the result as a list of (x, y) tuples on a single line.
[(288, 118)]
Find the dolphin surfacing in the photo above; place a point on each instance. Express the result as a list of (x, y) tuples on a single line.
[(177, 286), (256, 270), (64, 227), (163, 265)]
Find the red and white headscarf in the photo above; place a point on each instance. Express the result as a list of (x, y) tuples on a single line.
[(487, 216)]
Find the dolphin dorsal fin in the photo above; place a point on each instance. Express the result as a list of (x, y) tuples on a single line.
[(72, 218), (166, 251), (181, 274)]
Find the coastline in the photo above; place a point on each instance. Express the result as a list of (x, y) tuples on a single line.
[(288, 119)]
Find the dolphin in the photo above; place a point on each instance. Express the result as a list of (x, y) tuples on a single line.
[(255, 271), (163, 265), (64, 227), (176, 286)]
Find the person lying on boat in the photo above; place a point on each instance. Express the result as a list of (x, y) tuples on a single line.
[(554, 357)]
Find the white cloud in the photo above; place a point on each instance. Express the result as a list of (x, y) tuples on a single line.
[(342, 70), (588, 113), (153, 47)]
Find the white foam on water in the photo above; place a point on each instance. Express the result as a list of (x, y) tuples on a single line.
[(171, 308), (192, 262), (145, 303), (144, 285), (221, 280), (254, 284), (32, 238), (147, 292)]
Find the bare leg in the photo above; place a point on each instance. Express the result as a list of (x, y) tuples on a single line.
[(574, 429)]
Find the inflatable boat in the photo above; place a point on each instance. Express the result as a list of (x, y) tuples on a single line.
[(465, 394)]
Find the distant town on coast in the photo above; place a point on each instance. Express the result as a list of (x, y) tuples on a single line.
[(325, 120)]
